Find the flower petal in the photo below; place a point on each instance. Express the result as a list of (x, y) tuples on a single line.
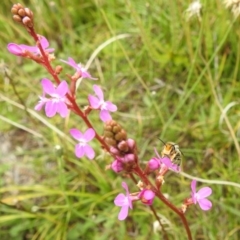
[(76, 134), (123, 213), (79, 150), (110, 106), (32, 49), (89, 135), (205, 204), (89, 152), (105, 115), (39, 106), (43, 41), (125, 186), (49, 50), (204, 192), (193, 186), (119, 200), (15, 49), (71, 63), (50, 108), (98, 91), (166, 161), (62, 109), (85, 74), (94, 101), (48, 86), (62, 88)]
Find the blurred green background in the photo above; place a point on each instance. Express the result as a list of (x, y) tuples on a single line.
[(171, 78)]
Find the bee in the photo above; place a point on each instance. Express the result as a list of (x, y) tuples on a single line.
[(172, 151)]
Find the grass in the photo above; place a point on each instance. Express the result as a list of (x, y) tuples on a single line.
[(172, 79)]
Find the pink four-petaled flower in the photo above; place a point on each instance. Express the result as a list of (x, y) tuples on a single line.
[(20, 49), (169, 164), (82, 148), (99, 103), (123, 201), (57, 101), (200, 197), (166, 162), (80, 68)]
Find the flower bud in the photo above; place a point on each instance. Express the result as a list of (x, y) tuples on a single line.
[(16, 18), (28, 12), (21, 12), (58, 69), (117, 166), (153, 164), (116, 128), (131, 143), (123, 146), (146, 196), (128, 158), (114, 150), (111, 142), (27, 22), (121, 135)]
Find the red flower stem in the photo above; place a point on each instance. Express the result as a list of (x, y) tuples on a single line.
[(143, 177), (74, 106)]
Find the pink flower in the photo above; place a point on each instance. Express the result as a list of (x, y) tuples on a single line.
[(200, 197), (123, 201), (80, 69), (82, 148), (169, 164), (57, 101), (166, 163), (147, 196), (20, 50), (99, 103)]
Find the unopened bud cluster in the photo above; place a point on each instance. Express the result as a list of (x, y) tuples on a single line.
[(115, 135), (22, 15), (123, 149)]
